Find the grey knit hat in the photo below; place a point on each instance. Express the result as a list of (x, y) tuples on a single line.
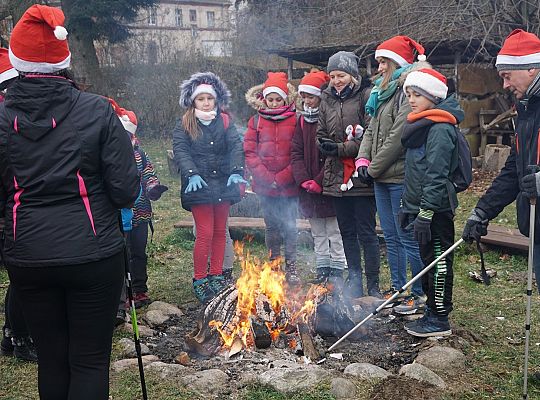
[(345, 61)]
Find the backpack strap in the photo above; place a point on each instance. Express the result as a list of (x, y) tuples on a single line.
[(226, 120), (398, 101)]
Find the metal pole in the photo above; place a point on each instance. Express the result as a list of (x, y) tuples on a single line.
[(532, 221), (397, 293)]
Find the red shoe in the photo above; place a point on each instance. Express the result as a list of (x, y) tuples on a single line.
[(141, 299)]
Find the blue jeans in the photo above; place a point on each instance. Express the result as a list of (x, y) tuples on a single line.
[(400, 245)]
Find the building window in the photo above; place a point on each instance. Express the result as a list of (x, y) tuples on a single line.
[(211, 19), (193, 16), (178, 16), (152, 16)]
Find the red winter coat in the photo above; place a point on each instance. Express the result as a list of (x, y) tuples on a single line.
[(308, 164), (268, 156)]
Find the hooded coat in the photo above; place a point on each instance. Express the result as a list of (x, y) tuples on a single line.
[(66, 168)]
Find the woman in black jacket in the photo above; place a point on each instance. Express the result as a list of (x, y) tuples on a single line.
[(209, 153), (66, 167)]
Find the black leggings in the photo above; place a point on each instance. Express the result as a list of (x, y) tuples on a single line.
[(70, 311), (15, 322)]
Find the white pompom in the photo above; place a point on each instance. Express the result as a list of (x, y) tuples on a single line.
[(343, 187), (422, 57), (60, 32)]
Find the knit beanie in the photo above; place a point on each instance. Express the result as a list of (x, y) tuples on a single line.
[(345, 61), (38, 41), (400, 49), (128, 118), (427, 82), (520, 50), (312, 83), (276, 82), (7, 71), (204, 82)]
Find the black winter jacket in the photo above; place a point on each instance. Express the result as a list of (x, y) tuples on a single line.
[(506, 186), (214, 155), (66, 167)]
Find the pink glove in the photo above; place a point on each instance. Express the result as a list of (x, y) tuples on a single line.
[(362, 162), (305, 185), (315, 188)]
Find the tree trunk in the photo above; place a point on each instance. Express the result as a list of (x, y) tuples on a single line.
[(18, 7), (84, 62)]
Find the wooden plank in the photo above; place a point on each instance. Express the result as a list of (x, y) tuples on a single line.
[(501, 236)]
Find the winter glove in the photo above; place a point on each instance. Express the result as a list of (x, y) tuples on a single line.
[(329, 148), (312, 187), (364, 176), (476, 226), (234, 179), (156, 192), (195, 183), (403, 219), (422, 226), (530, 185)]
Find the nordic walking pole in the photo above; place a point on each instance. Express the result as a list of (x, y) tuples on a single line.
[(532, 221), (133, 315), (397, 293)]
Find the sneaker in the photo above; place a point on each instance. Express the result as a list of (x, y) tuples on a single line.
[(217, 283), (291, 274), (120, 317), (430, 326), (228, 276), (6, 346), (141, 299), (203, 291), (24, 349), (411, 305)]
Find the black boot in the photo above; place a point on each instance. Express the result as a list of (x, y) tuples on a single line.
[(228, 276), (291, 275), (6, 346), (373, 286), (322, 275), (354, 285), (335, 278), (24, 349)]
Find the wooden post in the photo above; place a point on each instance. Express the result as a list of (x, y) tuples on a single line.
[(457, 61), (289, 67)]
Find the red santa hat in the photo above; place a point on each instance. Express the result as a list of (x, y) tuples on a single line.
[(128, 118), (7, 71), (313, 82), (401, 50), (276, 83), (520, 50), (427, 82), (38, 41)]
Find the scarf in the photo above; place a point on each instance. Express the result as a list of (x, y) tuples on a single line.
[(346, 92), (311, 115), (417, 127), (206, 117), (378, 96), (532, 90), (278, 114)]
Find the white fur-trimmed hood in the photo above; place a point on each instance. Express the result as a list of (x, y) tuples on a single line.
[(189, 85), (255, 99)]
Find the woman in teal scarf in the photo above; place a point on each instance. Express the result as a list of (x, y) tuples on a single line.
[(381, 159)]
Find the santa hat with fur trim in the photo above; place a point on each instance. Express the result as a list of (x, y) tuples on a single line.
[(128, 118), (276, 83), (400, 49), (312, 83), (520, 50), (38, 41), (427, 82), (7, 71)]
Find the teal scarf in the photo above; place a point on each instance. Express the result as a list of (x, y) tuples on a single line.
[(378, 96)]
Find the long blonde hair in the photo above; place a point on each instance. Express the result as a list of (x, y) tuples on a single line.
[(387, 77), (189, 121)]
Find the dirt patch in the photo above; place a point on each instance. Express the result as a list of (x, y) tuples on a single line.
[(400, 387)]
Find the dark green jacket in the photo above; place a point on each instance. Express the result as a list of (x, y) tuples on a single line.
[(431, 158)]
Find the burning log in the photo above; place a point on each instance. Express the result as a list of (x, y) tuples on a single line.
[(261, 333), (308, 347)]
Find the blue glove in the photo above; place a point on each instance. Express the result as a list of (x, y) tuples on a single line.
[(234, 179), (195, 183), (127, 216)]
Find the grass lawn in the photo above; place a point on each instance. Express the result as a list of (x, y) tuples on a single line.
[(494, 368)]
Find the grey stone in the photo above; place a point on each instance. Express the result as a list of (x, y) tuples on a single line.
[(127, 348), (287, 380), (165, 370), (210, 381), (143, 330), (343, 388), (442, 359), (422, 374), (155, 318), (165, 308), (366, 371), (131, 363)]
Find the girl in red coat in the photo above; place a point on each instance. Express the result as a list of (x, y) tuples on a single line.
[(267, 145)]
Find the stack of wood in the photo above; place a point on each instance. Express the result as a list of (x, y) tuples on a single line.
[(488, 112)]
